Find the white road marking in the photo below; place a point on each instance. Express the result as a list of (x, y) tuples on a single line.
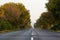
[(32, 38), (32, 35)]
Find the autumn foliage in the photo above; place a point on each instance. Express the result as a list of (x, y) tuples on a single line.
[(14, 16), (50, 20)]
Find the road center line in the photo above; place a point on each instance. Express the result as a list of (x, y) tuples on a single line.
[(32, 36)]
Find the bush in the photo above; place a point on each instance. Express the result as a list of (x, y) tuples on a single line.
[(56, 27), (4, 25)]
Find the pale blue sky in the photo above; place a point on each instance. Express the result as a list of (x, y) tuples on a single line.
[(36, 7)]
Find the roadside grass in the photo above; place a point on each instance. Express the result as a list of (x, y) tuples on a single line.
[(57, 30), (49, 30), (6, 31)]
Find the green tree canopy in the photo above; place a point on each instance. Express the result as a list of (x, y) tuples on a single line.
[(50, 19)]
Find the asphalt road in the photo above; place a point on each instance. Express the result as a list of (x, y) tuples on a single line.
[(31, 34), (46, 35)]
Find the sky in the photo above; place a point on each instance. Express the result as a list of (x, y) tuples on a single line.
[(36, 7)]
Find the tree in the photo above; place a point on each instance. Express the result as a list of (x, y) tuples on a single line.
[(45, 21), (16, 14), (11, 12), (4, 25), (53, 6), (25, 20), (50, 19)]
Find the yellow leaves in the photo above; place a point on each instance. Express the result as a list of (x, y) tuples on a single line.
[(16, 14), (2, 13)]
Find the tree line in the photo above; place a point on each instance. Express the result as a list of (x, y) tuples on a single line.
[(14, 16), (50, 20)]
